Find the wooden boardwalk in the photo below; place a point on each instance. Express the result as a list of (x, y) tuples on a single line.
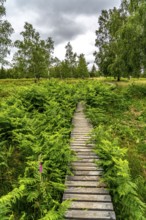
[(89, 199)]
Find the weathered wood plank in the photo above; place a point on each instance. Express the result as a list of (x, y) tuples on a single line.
[(86, 197), (85, 184), (88, 156), (80, 164), (83, 133), (79, 130), (87, 173), (88, 164), (89, 153), (92, 206), (77, 144), (76, 133), (82, 183), (80, 142), (82, 149), (84, 153), (76, 137), (82, 160), (82, 178), (90, 215), (82, 128), (86, 190), (76, 167)]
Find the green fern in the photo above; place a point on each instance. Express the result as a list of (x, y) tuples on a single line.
[(117, 176)]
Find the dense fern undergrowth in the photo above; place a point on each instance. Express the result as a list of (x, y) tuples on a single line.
[(35, 126), (119, 133), (35, 129)]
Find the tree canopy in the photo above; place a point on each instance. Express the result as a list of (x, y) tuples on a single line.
[(120, 39), (34, 55), (5, 32)]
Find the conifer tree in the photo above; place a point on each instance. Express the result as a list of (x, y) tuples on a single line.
[(93, 71), (82, 69), (70, 60)]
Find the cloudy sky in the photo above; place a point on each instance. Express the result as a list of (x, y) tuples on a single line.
[(63, 20)]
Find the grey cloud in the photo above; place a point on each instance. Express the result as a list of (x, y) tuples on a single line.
[(66, 30), (57, 17), (62, 28), (85, 7)]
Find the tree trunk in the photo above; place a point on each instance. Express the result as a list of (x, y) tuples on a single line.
[(118, 78)]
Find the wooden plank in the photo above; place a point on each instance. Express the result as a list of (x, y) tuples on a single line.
[(76, 167), (82, 178), (88, 156), (88, 164), (77, 144), (85, 149), (86, 190), (87, 172), (80, 138), (84, 153), (81, 125), (82, 160), (107, 206), (83, 133), (80, 130), (79, 133), (80, 142), (82, 148), (92, 167), (82, 183), (90, 215), (86, 197)]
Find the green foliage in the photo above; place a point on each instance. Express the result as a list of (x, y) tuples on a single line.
[(35, 125), (35, 130), (5, 32), (34, 55), (52, 215), (70, 67), (118, 117), (94, 72), (82, 70), (137, 91), (121, 38), (117, 176), (102, 100)]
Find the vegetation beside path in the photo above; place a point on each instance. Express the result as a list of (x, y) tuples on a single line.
[(35, 126)]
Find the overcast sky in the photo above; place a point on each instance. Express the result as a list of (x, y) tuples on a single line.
[(63, 20)]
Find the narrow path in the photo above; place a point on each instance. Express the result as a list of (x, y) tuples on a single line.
[(90, 200)]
